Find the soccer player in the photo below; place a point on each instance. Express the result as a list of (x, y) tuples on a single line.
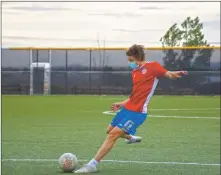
[(133, 111)]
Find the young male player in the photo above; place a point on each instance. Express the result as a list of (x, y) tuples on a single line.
[(145, 77)]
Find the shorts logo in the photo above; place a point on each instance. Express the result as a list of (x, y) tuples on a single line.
[(128, 125), (144, 70)]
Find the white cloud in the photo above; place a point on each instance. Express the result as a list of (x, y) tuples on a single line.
[(78, 24)]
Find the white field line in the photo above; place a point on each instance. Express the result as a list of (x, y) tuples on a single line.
[(183, 117), (167, 116), (207, 110), (166, 109), (124, 97), (190, 109), (116, 161), (184, 109)]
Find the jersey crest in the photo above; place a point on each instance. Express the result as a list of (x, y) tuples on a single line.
[(144, 70)]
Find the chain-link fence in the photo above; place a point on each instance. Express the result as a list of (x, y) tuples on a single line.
[(105, 71)]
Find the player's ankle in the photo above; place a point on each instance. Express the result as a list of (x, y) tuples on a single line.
[(93, 162), (131, 138)]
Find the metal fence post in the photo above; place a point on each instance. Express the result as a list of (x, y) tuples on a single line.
[(66, 70), (50, 74), (31, 73), (90, 72)]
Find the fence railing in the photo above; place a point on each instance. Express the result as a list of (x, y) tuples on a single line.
[(105, 70)]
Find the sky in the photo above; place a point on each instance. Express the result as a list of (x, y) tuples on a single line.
[(113, 24)]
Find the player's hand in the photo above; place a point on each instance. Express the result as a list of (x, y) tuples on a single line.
[(179, 74), (182, 72), (116, 106)]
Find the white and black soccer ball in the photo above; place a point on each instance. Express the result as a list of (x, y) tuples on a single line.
[(68, 162)]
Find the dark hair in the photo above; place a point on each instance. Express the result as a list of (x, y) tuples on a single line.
[(137, 51)]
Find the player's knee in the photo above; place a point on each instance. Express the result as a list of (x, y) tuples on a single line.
[(109, 129), (114, 135)]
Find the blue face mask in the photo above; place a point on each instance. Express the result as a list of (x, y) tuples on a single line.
[(133, 65)]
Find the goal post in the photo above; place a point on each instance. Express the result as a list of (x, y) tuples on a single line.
[(47, 73), (47, 77)]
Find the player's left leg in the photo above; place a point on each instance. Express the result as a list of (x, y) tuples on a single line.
[(108, 144), (109, 128), (128, 125)]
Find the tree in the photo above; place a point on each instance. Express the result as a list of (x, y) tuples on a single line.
[(189, 33)]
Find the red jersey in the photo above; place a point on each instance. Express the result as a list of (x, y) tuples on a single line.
[(145, 80)]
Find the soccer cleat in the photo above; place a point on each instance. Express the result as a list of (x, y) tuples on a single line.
[(87, 169), (135, 139)]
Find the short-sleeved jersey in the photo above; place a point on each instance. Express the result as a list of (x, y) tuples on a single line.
[(145, 80)]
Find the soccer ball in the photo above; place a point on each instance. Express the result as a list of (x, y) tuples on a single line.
[(68, 162)]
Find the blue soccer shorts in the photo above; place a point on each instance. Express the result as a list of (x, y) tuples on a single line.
[(128, 120)]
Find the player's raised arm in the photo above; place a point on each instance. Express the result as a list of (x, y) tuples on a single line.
[(175, 74), (160, 71)]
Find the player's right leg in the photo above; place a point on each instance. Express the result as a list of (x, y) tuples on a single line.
[(130, 123)]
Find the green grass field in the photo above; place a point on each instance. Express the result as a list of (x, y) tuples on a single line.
[(36, 130)]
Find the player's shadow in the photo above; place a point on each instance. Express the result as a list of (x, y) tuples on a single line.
[(62, 172)]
